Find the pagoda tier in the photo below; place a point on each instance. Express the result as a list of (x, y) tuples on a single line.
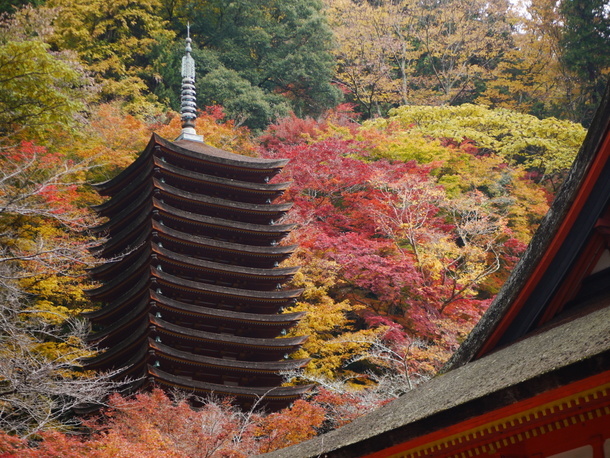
[(274, 397), (195, 157), (199, 247), (266, 372), (240, 211), (192, 268), (192, 288), (238, 323), (214, 344)]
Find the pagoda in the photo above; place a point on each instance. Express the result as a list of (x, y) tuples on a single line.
[(192, 287)]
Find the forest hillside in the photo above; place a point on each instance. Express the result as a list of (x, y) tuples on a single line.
[(426, 140)]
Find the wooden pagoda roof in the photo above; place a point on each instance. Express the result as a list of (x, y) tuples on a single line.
[(278, 343), (133, 294), (270, 394), (136, 232), (210, 243), (164, 169), (203, 151), (283, 319), (115, 285), (193, 153), (269, 211), (277, 273), (141, 180), (245, 207), (106, 270), (538, 361), (127, 321), (167, 211), (208, 289), (273, 367), (159, 302), (161, 327), (126, 277), (122, 218), (223, 183), (128, 346), (534, 366)]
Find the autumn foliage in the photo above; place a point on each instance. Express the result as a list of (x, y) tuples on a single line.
[(418, 247), (404, 239), (152, 424), (407, 224)]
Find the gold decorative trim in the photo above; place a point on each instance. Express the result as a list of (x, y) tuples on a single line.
[(493, 436)]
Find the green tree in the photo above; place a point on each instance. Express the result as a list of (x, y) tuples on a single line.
[(271, 48), (11, 6), (275, 54), (247, 104), (585, 43)]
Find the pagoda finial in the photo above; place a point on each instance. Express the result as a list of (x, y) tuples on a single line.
[(188, 105)]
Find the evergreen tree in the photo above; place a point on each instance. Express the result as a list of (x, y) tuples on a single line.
[(10, 6), (261, 50), (585, 46)]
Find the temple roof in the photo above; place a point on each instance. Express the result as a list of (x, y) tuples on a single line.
[(160, 326), (126, 322), (193, 153), (128, 238), (128, 344), (276, 273), (137, 266), (198, 150), (263, 209), (119, 183), (158, 301), (231, 183), (126, 299), (206, 288), (111, 264), (227, 225), (134, 187)]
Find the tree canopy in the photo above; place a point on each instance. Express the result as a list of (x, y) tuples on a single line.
[(268, 52), (257, 59), (408, 222), (39, 91)]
